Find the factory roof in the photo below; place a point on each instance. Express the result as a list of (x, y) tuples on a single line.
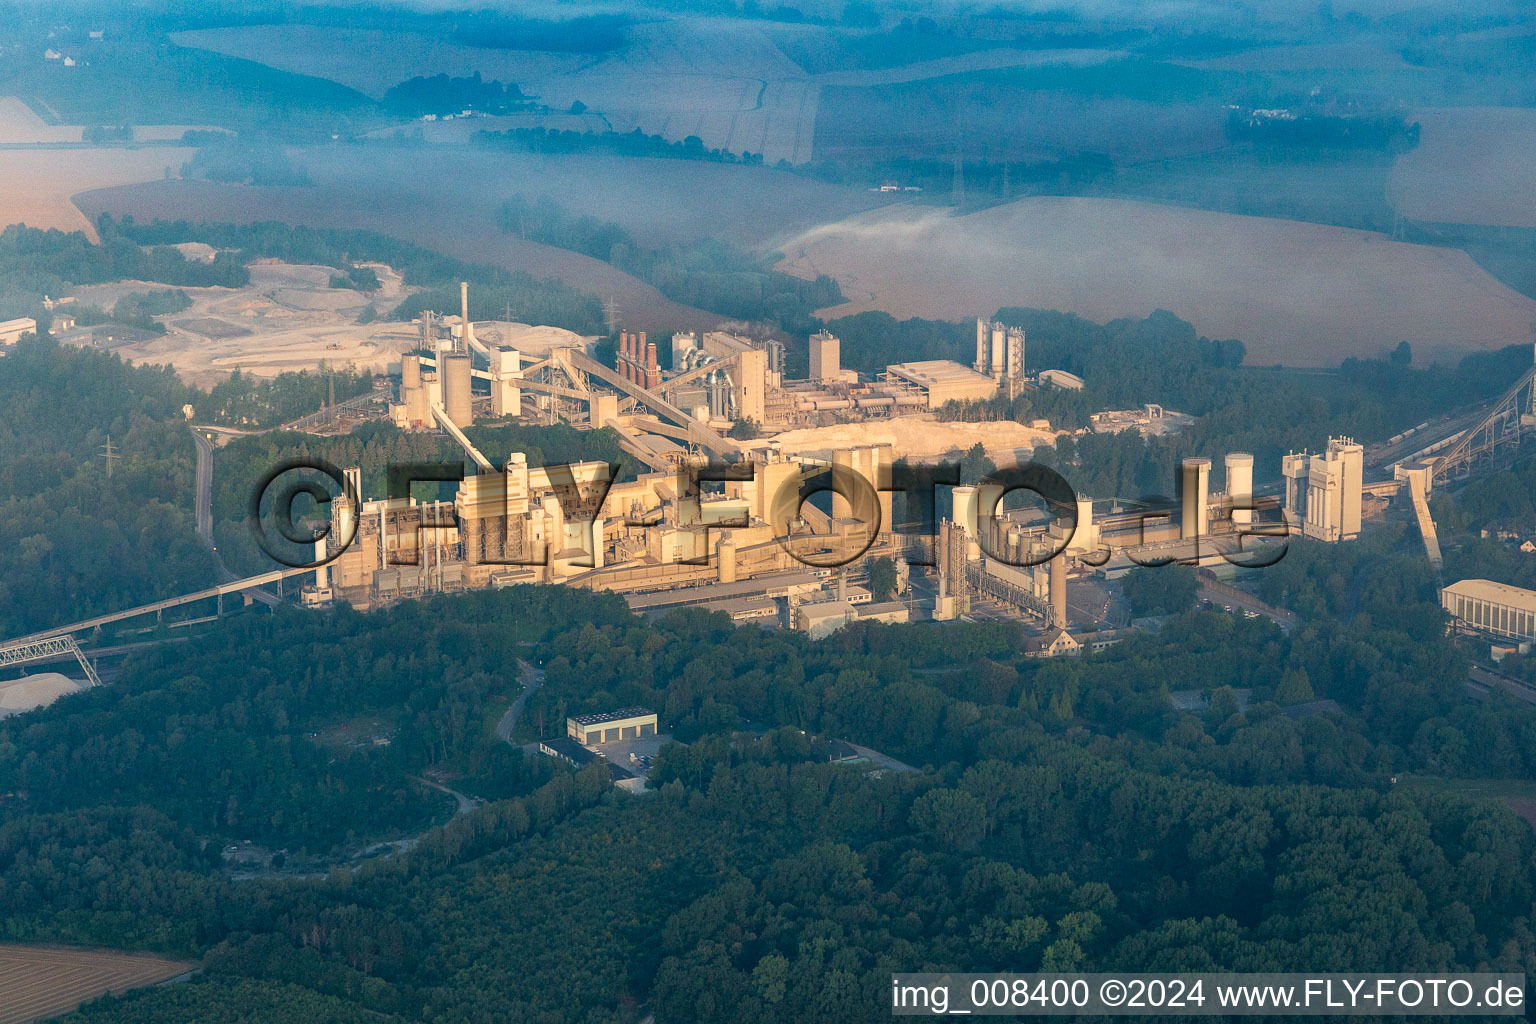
[(1496, 593), (931, 373), (623, 714), (564, 746), (818, 610), (1062, 379)]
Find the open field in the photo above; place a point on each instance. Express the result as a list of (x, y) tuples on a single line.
[(1473, 165), (660, 201), (723, 81), (1129, 110), (447, 200), (1294, 293), (455, 233), (979, 60), (20, 125), (36, 185), (36, 983)]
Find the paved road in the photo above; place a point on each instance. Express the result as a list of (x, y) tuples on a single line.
[(1220, 594), (531, 678), (883, 760), (204, 487), (204, 513), (465, 803)]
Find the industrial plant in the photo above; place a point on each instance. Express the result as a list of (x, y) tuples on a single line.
[(738, 526), (750, 545)]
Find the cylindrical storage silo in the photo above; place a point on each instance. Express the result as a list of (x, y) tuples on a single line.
[(457, 396), (1196, 499), (1240, 486)]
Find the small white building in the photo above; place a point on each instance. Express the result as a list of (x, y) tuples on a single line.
[(823, 618)]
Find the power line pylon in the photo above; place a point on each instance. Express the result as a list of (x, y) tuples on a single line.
[(109, 452)]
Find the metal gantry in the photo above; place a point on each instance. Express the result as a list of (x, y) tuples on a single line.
[(22, 652), (1511, 420)]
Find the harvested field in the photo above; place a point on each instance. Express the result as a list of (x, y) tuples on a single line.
[(36, 983), (20, 125), (36, 185), (981, 60), (1473, 165), (719, 79), (1294, 293), (446, 200)]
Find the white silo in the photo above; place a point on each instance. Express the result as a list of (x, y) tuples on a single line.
[(1197, 490), (1240, 486)]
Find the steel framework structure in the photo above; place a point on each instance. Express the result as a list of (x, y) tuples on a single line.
[(1511, 420), (21, 652)]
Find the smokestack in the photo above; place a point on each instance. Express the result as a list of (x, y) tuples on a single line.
[(650, 355), (464, 313), (1059, 591), (1197, 483)]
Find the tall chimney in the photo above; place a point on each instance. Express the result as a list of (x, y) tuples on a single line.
[(1057, 591), (464, 314)]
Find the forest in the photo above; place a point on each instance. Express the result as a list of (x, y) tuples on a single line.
[(36, 263), (262, 402), (440, 94), (632, 143), (1062, 814), (80, 536)]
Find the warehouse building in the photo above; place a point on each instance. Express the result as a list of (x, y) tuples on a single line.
[(12, 330), (1489, 607), (611, 726)]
